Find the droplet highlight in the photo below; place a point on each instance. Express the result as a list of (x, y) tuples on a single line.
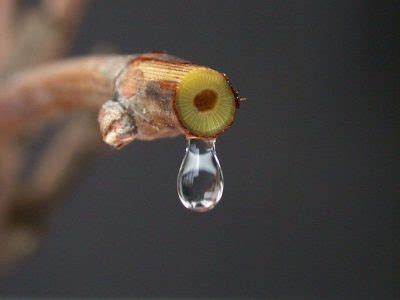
[(200, 181)]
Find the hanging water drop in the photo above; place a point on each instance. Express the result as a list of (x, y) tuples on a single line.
[(200, 181)]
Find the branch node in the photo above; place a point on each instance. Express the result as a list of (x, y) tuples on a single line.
[(117, 125)]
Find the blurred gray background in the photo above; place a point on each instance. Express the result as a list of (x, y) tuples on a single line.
[(310, 208)]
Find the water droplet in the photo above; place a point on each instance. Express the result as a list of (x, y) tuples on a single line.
[(200, 180)]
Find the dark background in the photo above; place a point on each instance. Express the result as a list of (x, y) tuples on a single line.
[(311, 166)]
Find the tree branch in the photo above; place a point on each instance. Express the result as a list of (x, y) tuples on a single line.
[(135, 97), (31, 98), (7, 11), (39, 35)]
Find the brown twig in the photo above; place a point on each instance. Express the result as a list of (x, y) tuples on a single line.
[(135, 97), (7, 11), (31, 98), (41, 34), (57, 169), (27, 39), (142, 104)]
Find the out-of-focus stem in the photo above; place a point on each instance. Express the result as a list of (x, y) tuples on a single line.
[(31, 98), (7, 10), (40, 34)]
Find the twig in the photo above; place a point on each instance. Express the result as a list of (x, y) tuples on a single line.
[(35, 198), (7, 10), (137, 96), (143, 98), (40, 35), (28, 38), (30, 99)]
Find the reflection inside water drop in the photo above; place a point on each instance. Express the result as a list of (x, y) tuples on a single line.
[(200, 181)]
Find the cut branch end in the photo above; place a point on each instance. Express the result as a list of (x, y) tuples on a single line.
[(157, 95)]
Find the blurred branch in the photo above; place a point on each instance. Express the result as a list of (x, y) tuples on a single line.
[(28, 38), (61, 164), (134, 97), (41, 34), (7, 11), (28, 101), (31, 98), (70, 151)]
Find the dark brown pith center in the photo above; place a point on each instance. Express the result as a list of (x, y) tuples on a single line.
[(205, 100)]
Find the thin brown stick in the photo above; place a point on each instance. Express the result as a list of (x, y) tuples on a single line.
[(27, 39), (43, 33), (143, 95), (10, 167), (135, 97), (59, 165), (68, 13), (35, 198), (7, 11), (29, 99)]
